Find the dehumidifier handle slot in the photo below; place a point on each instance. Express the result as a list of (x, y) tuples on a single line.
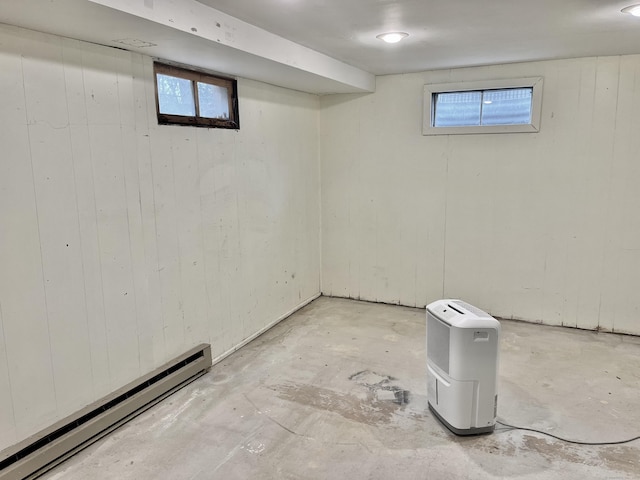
[(454, 308), (438, 376)]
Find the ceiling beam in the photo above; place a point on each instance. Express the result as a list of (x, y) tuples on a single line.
[(190, 32)]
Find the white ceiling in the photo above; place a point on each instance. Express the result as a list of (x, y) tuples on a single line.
[(329, 46), (445, 33)]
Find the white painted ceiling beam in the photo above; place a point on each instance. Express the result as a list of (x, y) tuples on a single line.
[(209, 32)]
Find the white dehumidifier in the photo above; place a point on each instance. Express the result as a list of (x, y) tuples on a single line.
[(462, 366)]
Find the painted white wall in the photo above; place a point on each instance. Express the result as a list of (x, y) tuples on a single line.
[(124, 243), (537, 226)]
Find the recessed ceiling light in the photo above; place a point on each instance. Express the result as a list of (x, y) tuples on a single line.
[(633, 10), (392, 37)]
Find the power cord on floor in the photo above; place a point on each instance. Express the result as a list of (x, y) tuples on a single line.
[(577, 442)]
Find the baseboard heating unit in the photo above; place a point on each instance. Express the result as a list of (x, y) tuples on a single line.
[(51, 446), (462, 366)]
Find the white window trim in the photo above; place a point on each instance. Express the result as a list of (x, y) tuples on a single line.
[(536, 106)]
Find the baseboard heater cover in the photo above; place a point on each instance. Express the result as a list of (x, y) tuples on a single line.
[(46, 449)]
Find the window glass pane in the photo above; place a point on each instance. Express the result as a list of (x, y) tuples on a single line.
[(213, 101), (457, 109), (507, 107), (175, 95)]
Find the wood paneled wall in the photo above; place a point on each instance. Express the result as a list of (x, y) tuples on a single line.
[(124, 243), (537, 226)]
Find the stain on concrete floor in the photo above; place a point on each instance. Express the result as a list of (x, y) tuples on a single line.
[(307, 400), (368, 411)]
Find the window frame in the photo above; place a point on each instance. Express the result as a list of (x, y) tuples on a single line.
[(430, 90), (196, 120)]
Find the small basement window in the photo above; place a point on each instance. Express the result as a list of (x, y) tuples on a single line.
[(187, 97), (497, 106)]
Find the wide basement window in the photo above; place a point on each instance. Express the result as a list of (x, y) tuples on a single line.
[(186, 97), (497, 106)]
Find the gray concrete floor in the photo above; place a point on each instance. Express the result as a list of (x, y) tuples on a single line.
[(314, 398)]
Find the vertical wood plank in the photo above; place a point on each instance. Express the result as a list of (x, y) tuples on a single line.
[(152, 346), (22, 291), (215, 195), (619, 305), (107, 152), (73, 54), (306, 203), (24, 314), (192, 278), (627, 149), (8, 435), (597, 171), (572, 87), (238, 225), (62, 267), (58, 225), (115, 255), (91, 259), (228, 184), (167, 239), (133, 206), (365, 220), (339, 173)]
